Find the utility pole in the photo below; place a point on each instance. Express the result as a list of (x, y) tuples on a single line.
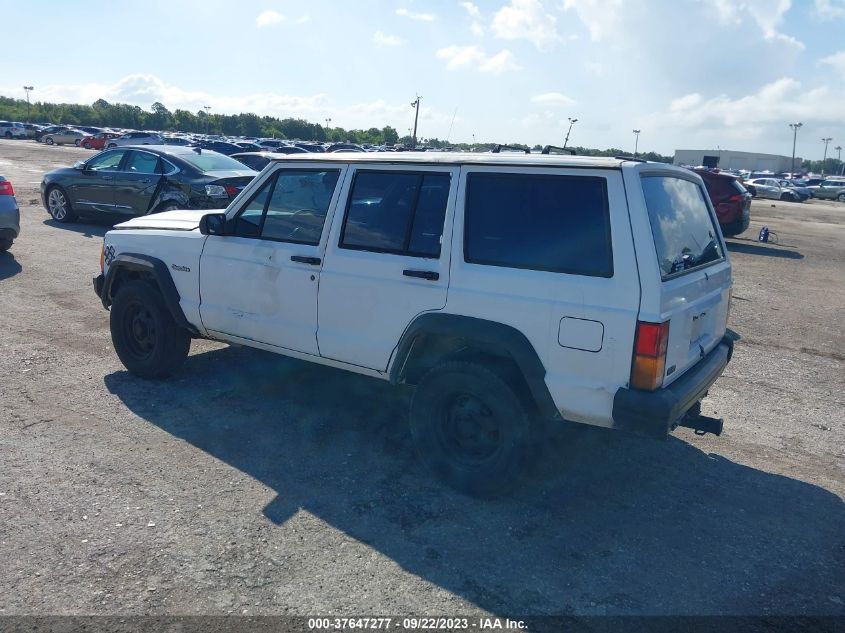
[(571, 123), (207, 119), (636, 141), (794, 127), (826, 141), (28, 90), (415, 104)]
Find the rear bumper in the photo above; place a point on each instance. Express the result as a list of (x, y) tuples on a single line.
[(656, 413)]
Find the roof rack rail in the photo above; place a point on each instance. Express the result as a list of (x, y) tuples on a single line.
[(548, 149), (498, 149), (623, 157)]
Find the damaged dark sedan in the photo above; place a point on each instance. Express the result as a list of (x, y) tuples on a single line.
[(132, 181)]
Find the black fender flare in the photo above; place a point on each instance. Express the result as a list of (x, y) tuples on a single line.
[(491, 335), (155, 268)]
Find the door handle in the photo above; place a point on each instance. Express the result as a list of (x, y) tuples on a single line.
[(107, 177), (302, 259), (422, 274), (145, 181)]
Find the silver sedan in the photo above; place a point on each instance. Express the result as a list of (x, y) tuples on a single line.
[(10, 217)]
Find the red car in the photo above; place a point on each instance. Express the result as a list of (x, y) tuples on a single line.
[(730, 199), (97, 141)]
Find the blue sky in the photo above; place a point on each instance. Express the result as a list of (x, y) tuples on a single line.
[(688, 73)]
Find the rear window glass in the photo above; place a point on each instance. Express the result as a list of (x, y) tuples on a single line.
[(550, 223), (685, 236), (210, 161)]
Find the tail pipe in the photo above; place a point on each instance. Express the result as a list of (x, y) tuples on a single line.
[(702, 424)]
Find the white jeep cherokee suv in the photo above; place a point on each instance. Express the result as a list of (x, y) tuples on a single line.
[(507, 289)]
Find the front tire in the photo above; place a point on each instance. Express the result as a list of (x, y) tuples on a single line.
[(49, 140), (5, 244), (841, 197), (8, 135), (58, 205), (471, 427), (86, 145), (147, 340)]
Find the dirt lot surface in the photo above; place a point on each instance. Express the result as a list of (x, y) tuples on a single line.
[(255, 484)]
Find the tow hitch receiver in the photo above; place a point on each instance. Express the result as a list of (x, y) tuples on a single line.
[(702, 424)]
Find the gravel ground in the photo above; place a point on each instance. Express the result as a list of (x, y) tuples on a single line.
[(256, 484)]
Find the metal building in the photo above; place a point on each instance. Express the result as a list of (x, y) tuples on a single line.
[(728, 159)]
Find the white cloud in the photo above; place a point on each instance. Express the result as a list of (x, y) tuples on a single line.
[(776, 103), (526, 19), (143, 90), (830, 9), (268, 18), (461, 57), (836, 62), (380, 38), (601, 17), (767, 14), (303, 19), (472, 9), (553, 99), (476, 29), (420, 17)]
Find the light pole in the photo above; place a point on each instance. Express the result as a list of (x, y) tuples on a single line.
[(328, 123), (719, 160), (636, 141), (794, 127), (571, 123), (838, 149), (826, 141), (28, 90), (415, 104), (207, 119)]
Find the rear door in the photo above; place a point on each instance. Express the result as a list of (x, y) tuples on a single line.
[(684, 268), (137, 183), (387, 260)]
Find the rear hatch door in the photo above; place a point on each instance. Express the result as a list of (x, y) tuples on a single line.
[(685, 270)]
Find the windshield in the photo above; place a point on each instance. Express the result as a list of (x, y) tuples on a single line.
[(211, 161), (685, 235)]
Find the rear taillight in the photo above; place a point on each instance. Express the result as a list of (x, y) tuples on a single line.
[(231, 191), (649, 355), (736, 198), (6, 188)]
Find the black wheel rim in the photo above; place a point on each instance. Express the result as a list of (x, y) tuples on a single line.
[(468, 431), (139, 330)]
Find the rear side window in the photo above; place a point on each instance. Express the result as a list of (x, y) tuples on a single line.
[(685, 236), (539, 222), (397, 212)]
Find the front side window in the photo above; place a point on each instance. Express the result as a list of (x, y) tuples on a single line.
[(539, 222), (397, 212), (107, 161), (685, 235), (290, 206)]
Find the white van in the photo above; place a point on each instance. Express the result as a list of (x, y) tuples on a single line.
[(507, 289)]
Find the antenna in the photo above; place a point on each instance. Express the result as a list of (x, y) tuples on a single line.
[(449, 135)]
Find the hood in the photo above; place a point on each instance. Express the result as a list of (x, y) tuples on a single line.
[(181, 220)]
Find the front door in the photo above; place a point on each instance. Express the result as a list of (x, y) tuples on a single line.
[(386, 262), (93, 188), (260, 283)]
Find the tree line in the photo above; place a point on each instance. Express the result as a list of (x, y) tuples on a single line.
[(101, 113)]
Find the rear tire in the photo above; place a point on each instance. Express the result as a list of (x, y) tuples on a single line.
[(86, 145), (49, 140), (5, 244), (147, 340), (471, 428), (58, 205), (841, 197), (8, 135)]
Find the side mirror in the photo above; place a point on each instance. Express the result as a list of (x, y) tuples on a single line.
[(213, 224), (80, 165)]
